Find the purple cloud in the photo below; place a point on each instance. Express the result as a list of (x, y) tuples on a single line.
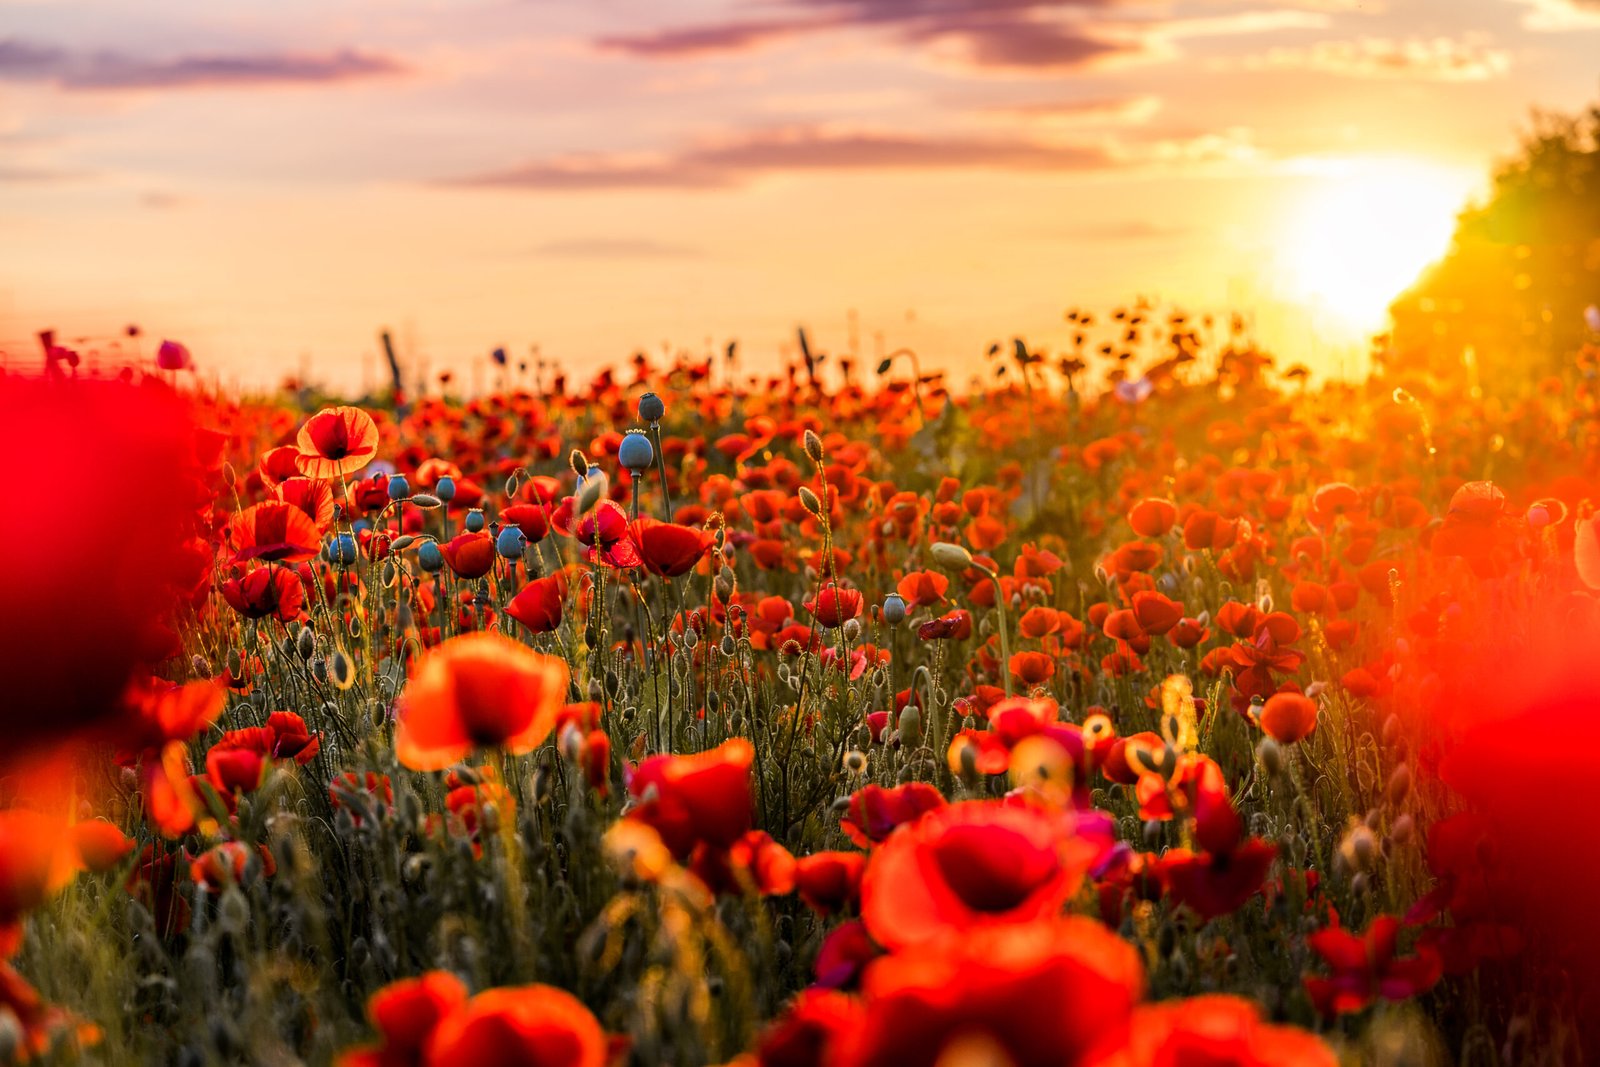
[(733, 162), (115, 71), (991, 33)]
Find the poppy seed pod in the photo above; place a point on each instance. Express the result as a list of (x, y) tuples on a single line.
[(445, 489), (342, 550), (429, 556), (950, 555), (636, 453), (894, 609), (651, 408), (511, 542), (398, 487)]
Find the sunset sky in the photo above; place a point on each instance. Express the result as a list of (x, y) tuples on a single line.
[(272, 182)]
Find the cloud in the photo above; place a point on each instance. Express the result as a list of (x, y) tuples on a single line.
[(616, 248), (737, 160), (1015, 34), (1088, 111), (1435, 59), (116, 71), (1556, 16), (13, 174)]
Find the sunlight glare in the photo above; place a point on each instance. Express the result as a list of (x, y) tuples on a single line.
[(1360, 236)]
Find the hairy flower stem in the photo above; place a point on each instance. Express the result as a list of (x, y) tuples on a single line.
[(661, 468)]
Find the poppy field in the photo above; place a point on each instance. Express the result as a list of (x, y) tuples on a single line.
[(1140, 706)]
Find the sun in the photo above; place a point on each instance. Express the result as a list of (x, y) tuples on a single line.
[(1365, 230)]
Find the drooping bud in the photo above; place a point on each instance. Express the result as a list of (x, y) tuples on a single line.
[(951, 555)]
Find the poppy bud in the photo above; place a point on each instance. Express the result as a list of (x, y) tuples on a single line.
[(511, 542), (427, 500), (910, 726), (579, 463), (852, 629), (475, 520), (950, 555), (636, 453), (855, 761), (398, 487), (894, 609), (430, 557), (651, 408), (305, 642), (1399, 784), (813, 446), (445, 488), (1270, 753), (808, 500), (1402, 830)]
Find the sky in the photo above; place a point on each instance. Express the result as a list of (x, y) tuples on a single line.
[(272, 182)]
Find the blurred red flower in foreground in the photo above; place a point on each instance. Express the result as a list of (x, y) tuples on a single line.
[(477, 690), (1213, 1031), (690, 800), (431, 1022), (1367, 967), (1032, 995), (90, 604)]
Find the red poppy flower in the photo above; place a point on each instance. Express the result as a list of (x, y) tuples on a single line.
[(1039, 621), (539, 604), (336, 441), (830, 881), (605, 531), (470, 555), (1367, 967), (37, 859), (274, 591), (1155, 613), (693, 799), (971, 865), (476, 690), (755, 863), (874, 812), (100, 845), (312, 497), (953, 626), (809, 1031), (405, 1014), (532, 519), (1216, 883), (667, 548), (1211, 1031), (834, 605), (1289, 717), (1032, 668), (275, 532), (923, 588), (1032, 995), (1153, 516), (534, 1024)]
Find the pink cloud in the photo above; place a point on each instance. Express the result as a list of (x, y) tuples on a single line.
[(115, 71), (734, 161)]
